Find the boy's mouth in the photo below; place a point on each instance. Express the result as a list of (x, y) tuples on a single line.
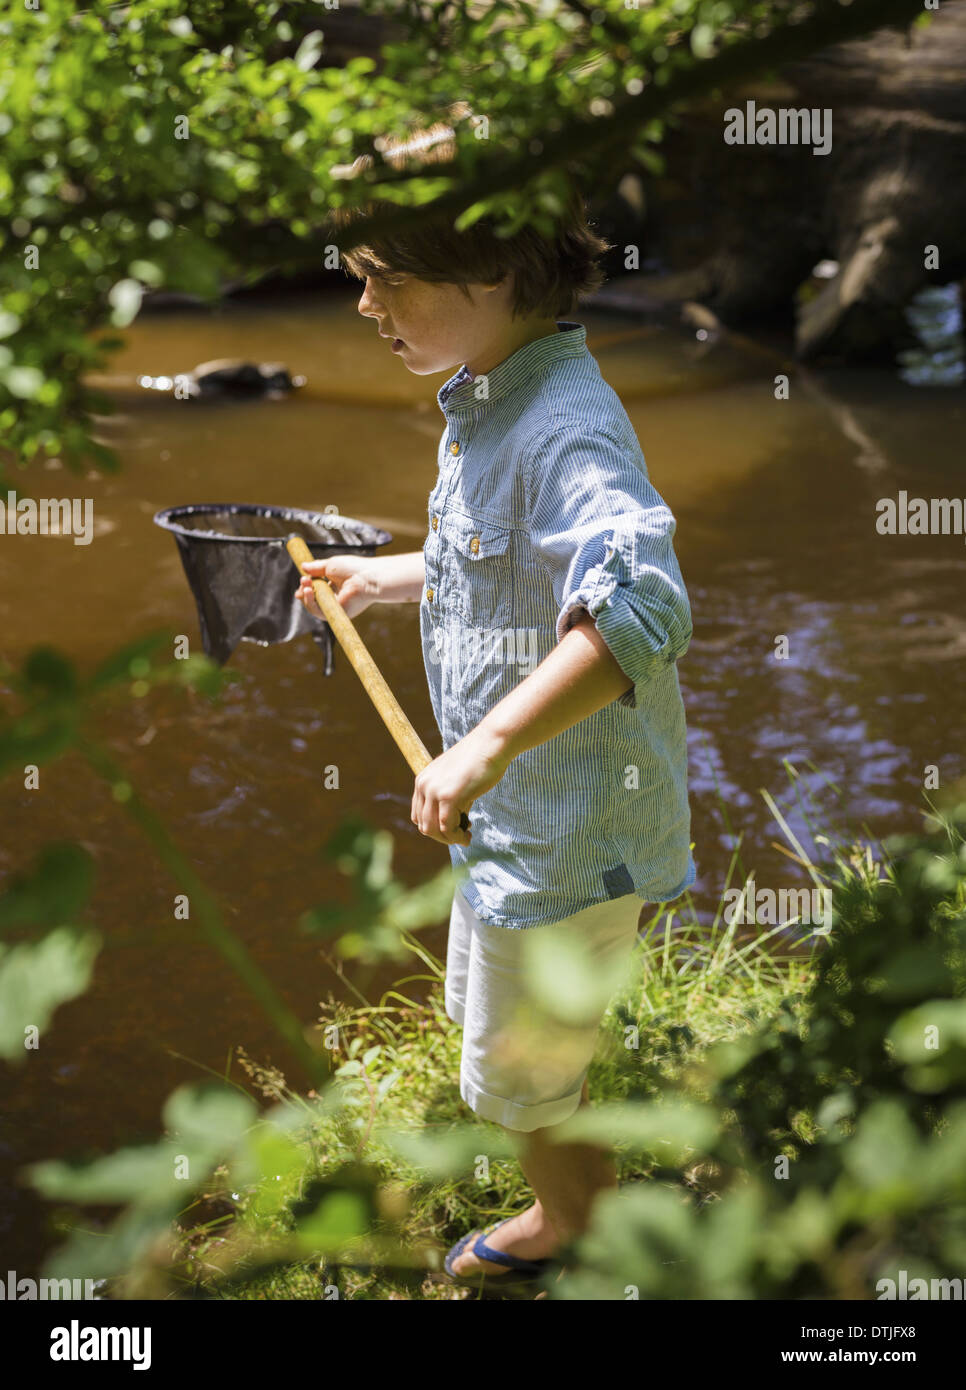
[(397, 343)]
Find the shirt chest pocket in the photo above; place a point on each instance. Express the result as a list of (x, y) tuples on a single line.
[(476, 570)]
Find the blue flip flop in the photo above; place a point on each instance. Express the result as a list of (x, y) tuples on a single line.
[(522, 1269)]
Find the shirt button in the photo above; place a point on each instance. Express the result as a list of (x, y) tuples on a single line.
[(435, 522), (454, 448), (475, 545), (429, 595)]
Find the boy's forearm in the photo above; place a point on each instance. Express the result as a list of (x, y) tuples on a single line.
[(579, 677), (401, 577)]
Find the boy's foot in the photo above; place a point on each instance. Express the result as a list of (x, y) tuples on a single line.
[(527, 1235)]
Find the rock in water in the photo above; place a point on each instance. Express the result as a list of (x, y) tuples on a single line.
[(227, 378)]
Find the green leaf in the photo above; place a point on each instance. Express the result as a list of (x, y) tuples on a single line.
[(470, 215), (117, 667), (23, 382), (269, 1161), (130, 1175), (125, 300), (702, 40), (637, 1235), (452, 1153), (729, 1240), (36, 978), (911, 1033), (209, 1115), (36, 738), (308, 51), (884, 1147), (49, 670), (914, 972), (339, 1217), (147, 271), (99, 1255), (207, 1121), (653, 162), (565, 980), (806, 1227), (670, 1131), (53, 893), (931, 1040), (421, 906)]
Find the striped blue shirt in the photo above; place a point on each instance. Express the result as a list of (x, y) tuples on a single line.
[(543, 509)]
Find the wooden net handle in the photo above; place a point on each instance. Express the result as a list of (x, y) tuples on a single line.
[(387, 706)]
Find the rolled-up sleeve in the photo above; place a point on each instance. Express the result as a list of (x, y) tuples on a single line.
[(604, 536)]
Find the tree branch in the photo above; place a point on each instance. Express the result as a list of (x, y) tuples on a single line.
[(581, 139)]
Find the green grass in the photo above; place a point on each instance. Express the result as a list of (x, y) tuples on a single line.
[(690, 988), (693, 985)]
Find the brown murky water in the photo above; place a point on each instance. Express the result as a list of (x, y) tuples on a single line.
[(776, 534)]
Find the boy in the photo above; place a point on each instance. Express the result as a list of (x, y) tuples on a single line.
[(552, 613)]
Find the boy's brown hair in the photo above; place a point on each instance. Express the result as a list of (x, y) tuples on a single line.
[(549, 276)]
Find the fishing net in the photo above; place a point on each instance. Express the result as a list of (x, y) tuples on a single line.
[(242, 578)]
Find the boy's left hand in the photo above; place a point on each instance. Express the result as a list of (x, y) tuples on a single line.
[(450, 784)]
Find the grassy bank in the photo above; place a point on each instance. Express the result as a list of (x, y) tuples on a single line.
[(397, 1070), (788, 1107)]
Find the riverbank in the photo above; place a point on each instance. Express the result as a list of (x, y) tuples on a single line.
[(788, 1126), (396, 1112), (787, 1106)]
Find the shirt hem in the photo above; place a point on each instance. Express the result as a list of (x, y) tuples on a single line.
[(513, 923)]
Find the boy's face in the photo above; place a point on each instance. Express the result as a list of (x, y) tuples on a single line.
[(436, 327)]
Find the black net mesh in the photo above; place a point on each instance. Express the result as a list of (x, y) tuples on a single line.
[(241, 575)]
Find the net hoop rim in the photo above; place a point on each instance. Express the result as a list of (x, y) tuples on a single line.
[(167, 520)]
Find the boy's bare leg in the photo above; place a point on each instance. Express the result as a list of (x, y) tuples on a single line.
[(566, 1179)]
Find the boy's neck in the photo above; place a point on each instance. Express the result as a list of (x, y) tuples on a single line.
[(517, 336)]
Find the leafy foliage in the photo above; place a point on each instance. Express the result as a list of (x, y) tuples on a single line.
[(153, 1182), (813, 1153), (52, 711), (899, 966), (381, 908), (842, 1125), (146, 146), (38, 975), (53, 705)]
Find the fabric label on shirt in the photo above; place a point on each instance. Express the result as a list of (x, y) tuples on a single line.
[(618, 882)]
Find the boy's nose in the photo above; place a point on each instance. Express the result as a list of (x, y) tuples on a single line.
[(367, 302)]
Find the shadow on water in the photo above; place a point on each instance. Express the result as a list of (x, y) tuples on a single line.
[(776, 537)]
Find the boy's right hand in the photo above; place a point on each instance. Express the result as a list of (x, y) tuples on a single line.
[(355, 582)]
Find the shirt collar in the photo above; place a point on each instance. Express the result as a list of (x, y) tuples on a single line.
[(458, 394)]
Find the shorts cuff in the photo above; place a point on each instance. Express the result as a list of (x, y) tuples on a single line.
[(511, 1115)]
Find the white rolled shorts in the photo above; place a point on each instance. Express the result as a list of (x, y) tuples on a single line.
[(521, 1066)]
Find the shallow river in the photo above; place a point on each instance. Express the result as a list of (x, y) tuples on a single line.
[(776, 509)]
